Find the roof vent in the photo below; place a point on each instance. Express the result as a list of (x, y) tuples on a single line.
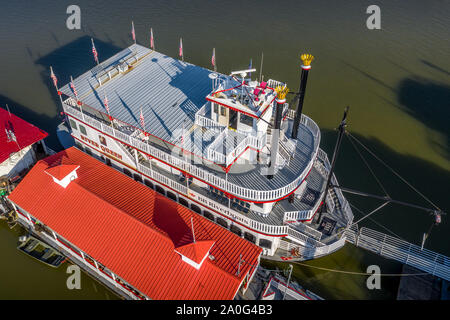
[(195, 253), (63, 174)]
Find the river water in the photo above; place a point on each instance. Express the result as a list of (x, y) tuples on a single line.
[(395, 80)]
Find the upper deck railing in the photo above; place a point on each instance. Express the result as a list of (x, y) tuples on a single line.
[(200, 173), (229, 156)]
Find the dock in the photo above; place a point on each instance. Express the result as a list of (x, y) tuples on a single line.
[(421, 287)]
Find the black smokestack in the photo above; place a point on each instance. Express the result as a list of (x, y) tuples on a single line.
[(307, 59)]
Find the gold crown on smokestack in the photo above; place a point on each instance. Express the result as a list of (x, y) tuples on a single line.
[(307, 59), (282, 91)]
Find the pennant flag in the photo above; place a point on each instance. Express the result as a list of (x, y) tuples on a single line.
[(152, 40), (213, 58), (133, 34), (94, 51), (72, 86), (55, 80), (141, 118), (181, 48)]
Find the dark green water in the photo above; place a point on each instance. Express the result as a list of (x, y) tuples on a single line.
[(396, 81)]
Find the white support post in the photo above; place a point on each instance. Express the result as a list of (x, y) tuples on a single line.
[(54, 235), (136, 157)]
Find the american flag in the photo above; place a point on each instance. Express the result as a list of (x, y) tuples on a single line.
[(133, 34), (55, 80), (72, 86), (152, 41), (213, 58), (141, 118), (105, 102), (94, 51), (181, 48)]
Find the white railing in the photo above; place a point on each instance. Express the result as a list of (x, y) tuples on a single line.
[(202, 121), (291, 216), (312, 251), (237, 151), (274, 83), (303, 228), (404, 252), (181, 164)]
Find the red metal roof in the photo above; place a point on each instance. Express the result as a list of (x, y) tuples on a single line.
[(25, 133), (133, 230), (196, 251), (61, 171)]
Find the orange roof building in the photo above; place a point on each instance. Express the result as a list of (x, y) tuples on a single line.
[(156, 246)]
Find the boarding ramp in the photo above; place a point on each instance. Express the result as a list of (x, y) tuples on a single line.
[(400, 250)]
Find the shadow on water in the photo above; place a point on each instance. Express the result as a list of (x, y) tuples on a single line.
[(428, 178), (429, 102), (73, 59)]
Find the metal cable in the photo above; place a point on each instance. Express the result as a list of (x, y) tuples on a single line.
[(367, 165), (393, 171), (379, 224), (363, 273)]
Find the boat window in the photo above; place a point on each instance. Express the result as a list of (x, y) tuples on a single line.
[(172, 196), (88, 150), (73, 124), (137, 177), (159, 189), (148, 183), (236, 230), (108, 162), (102, 140), (196, 208), (247, 120), (249, 237), (83, 130), (265, 243), (222, 222), (223, 111), (184, 202), (216, 108), (208, 215), (127, 172)]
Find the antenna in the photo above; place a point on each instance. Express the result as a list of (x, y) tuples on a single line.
[(243, 74), (260, 69), (239, 265)]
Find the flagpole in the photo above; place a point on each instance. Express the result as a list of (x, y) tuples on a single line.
[(133, 33), (152, 40), (181, 50), (55, 82), (214, 57), (7, 108), (94, 52), (76, 94), (260, 69)]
